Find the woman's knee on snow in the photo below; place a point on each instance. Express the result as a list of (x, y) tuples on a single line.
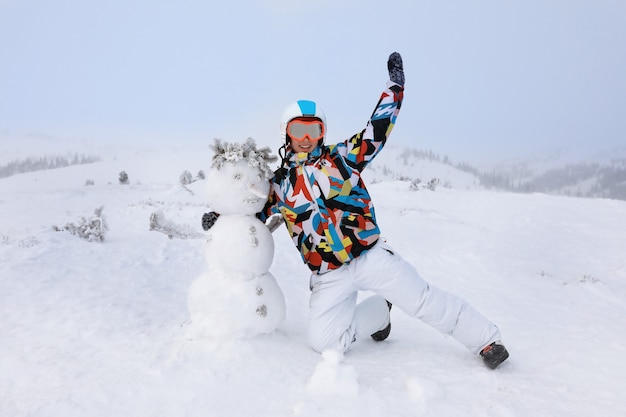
[(336, 339)]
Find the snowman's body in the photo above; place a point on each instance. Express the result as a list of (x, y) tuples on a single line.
[(237, 296)]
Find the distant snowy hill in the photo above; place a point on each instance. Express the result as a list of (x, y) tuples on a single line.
[(598, 174), (99, 329), (601, 174), (409, 164)]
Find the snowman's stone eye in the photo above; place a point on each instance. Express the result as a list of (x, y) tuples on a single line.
[(238, 176)]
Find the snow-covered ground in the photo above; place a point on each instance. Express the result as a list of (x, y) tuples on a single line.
[(99, 329)]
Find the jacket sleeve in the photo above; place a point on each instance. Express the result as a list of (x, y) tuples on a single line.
[(361, 148)]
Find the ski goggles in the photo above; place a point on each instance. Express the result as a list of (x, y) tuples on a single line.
[(300, 129)]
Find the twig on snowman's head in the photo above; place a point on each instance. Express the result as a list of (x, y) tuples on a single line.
[(233, 152)]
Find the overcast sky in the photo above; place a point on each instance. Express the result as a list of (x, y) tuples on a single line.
[(505, 78)]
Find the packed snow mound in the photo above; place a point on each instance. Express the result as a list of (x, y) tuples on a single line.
[(333, 377)]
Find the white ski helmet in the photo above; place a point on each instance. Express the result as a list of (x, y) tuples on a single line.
[(301, 108)]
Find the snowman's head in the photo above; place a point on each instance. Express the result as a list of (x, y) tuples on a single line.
[(238, 181)]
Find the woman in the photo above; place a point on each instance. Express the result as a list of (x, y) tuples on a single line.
[(328, 211)]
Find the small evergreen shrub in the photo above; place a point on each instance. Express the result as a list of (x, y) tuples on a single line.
[(91, 229)]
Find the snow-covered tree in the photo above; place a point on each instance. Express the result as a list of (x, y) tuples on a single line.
[(433, 183), (92, 229), (185, 178), (415, 184)]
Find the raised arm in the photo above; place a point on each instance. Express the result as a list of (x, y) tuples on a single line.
[(361, 148)]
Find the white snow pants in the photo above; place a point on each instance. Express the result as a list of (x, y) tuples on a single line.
[(336, 321)]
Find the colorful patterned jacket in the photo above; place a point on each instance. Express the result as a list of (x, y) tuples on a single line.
[(321, 196)]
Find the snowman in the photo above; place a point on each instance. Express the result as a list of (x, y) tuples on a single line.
[(237, 296)]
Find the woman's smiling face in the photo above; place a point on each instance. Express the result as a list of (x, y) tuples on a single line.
[(303, 146)]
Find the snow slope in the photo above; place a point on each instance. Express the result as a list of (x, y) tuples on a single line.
[(99, 329), (397, 162)]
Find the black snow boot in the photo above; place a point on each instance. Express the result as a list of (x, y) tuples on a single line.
[(381, 335), (494, 354)]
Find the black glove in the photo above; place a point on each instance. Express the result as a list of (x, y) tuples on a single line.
[(396, 70), (209, 219)]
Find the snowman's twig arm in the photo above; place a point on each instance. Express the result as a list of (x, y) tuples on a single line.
[(159, 223)]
